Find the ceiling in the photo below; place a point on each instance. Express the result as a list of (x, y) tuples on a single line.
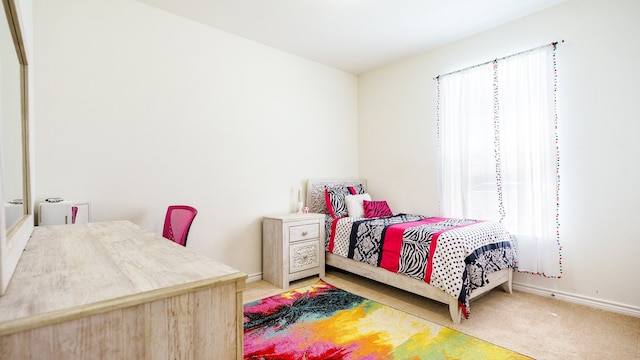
[(353, 35)]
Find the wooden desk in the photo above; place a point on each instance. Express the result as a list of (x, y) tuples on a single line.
[(115, 290)]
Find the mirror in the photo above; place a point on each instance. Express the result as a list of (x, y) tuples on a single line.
[(15, 182), (11, 131)]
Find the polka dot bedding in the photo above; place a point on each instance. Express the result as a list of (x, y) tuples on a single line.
[(454, 255)]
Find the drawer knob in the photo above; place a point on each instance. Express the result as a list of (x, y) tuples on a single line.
[(304, 233)]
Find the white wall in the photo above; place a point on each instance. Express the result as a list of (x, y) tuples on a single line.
[(139, 109), (599, 84)]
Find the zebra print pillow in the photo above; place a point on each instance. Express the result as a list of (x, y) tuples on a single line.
[(374, 209), (335, 199)]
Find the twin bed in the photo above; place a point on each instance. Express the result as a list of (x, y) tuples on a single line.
[(448, 260)]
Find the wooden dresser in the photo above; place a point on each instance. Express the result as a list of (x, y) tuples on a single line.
[(113, 290)]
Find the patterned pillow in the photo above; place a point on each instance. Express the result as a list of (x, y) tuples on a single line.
[(334, 197), (358, 188), (376, 209)]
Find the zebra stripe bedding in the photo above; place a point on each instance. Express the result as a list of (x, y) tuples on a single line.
[(455, 255)]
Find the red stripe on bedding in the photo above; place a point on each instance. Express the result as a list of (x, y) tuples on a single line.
[(432, 249), (393, 242), (334, 223)]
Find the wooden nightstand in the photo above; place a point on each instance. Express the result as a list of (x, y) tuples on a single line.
[(292, 247)]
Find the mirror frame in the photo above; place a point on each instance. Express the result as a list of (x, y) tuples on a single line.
[(14, 239)]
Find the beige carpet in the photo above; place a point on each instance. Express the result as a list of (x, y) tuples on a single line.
[(540, 327)]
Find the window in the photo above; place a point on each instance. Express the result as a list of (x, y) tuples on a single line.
[(499, 158)]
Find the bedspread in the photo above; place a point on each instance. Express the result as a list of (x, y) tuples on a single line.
[(454, 255)]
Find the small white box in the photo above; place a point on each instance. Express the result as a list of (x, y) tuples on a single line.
[(64, 212)]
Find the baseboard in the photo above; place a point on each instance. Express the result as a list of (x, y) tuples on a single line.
[(572, 298), (254, 277), (581, 300)]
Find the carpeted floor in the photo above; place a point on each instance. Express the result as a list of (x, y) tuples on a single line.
[(539, 327)]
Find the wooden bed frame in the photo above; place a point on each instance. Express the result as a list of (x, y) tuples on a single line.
[(316, 203)]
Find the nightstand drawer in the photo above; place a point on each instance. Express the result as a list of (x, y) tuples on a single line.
[(304, 232), (304, 255)]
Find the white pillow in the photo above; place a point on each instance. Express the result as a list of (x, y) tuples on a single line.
[(354, 204)]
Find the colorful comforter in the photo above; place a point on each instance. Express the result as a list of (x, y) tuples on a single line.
[(455, 255)]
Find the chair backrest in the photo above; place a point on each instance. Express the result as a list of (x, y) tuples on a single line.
[(177, 223)]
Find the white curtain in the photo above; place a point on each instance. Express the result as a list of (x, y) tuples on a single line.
[(497, 130)]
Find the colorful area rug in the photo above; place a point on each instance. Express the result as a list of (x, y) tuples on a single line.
[(323, 322)]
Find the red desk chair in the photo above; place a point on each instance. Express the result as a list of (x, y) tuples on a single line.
[(177, 223)]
